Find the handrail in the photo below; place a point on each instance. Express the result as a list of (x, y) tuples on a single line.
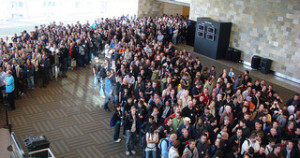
[(17, 145)]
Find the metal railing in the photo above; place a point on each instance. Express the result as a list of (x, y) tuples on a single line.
[(17, 150)]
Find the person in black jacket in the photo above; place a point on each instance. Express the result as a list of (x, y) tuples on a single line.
[(237, 139), (29, 73), (118, 117), (44, 69), (130, 128), (289, 151)]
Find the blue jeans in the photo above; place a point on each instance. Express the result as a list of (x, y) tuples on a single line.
[(117, 131), (30, 81), (95, 82), (108, 96), (152, 152), (101, 87), (130, 140)]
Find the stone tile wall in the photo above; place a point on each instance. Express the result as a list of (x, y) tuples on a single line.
[(268, 28), (150, 8)]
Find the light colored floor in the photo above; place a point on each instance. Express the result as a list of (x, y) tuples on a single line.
[(4, 143)]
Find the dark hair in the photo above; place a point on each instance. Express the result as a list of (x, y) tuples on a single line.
[(176, 144), (151, 117)]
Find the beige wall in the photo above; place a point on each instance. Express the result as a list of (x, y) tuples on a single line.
[(149, 8), (172, 9), (268, 28)]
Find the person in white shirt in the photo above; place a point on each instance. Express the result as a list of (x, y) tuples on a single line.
[(251, 142), (270, 146)]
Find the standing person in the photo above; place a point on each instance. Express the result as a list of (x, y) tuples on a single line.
[(44, 68), (169, 146), (10, 87), (2, 82), (130, 128), (35, 63), (118, 115), (190, 150), (108, 89), (101, 77), (29, 73), (81, 52), (173, 151), (152, 139), (95, 72)]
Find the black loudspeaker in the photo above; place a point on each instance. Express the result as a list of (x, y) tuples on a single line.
[(217, 36), (236, 55), (265, 65), (37, 142), (229, 54), (255, 62)]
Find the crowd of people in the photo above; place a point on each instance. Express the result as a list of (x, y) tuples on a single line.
[(168, 103)]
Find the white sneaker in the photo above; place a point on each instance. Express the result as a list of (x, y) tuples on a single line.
[(127, 153), (118, 140), (133, 152)]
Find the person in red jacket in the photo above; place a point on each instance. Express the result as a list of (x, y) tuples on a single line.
[(206, 96)]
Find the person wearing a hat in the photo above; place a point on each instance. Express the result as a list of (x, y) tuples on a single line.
[(187, 125), (250, 104)]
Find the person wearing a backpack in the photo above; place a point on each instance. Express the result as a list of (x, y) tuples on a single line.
[(118, 117), (251, 142), (130, 128), (190, 150), (152, 139), (165, 145)]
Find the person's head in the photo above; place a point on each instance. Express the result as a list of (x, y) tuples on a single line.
[(190, 104), (186, 121), (192, 144), (258, 125), (273, 132), (8, 73), (275, 124), (239, 132), (243, 123), (185, 133), (118, 107), (291, 125), (173, 138), (296, 97), (186, 93), (228, 109), (133, 110), (272, 142), (253, 137), (289, 145), (155, 111), (203, 138), (218, 142), (170, 121), (277, 149)]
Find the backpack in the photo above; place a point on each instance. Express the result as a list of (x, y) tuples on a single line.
[(160, 142), (112, 122)]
